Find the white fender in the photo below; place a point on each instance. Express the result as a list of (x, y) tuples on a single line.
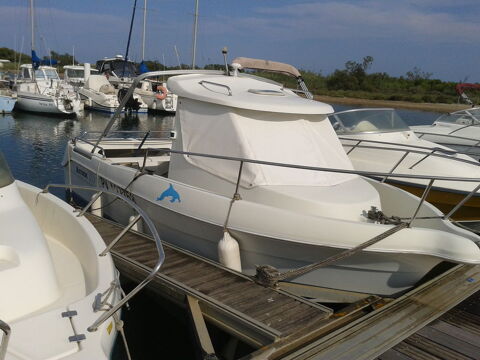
[(229, 252)]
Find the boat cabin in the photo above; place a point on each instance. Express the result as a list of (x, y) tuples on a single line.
[(117, 67), (42, 73), (75, 74)]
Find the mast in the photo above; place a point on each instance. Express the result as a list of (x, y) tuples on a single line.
[(144, 27), (195, 26), (33, 24)]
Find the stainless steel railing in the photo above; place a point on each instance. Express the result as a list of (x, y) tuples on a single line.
[(141, 215), (476, 142), (6, 337)]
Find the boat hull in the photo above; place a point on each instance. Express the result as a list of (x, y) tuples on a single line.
[(381, 273), (41, 104)]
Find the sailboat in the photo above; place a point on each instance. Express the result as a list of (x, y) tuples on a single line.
[(41, 90), (252, 165)]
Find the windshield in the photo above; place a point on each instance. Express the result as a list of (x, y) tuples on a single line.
[(51, 73), (465, 117), (6, 177), (78, 73), (39, 75), (121, 68), (367, 120)]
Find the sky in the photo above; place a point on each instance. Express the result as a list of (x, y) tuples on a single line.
[(437, 36)]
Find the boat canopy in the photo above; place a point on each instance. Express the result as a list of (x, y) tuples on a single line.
[(6, 177), (267, 65), (249, 125), (367, 121)]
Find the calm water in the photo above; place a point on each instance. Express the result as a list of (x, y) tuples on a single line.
[(34, 147)]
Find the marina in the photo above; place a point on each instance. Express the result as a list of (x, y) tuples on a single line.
[(221, 211), (272, 323)]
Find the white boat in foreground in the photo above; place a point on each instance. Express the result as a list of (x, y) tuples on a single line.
[(51, 278), (459, 130), (256, 168), (379, 140)]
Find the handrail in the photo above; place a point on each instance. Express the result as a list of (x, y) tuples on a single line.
[(374, 174), (422, 133), (153, 231), (410, 148), (216, 84), (6, 337)]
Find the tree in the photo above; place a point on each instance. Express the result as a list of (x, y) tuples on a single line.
[(417, 74)]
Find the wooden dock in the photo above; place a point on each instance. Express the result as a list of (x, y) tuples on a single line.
[(281, 325)]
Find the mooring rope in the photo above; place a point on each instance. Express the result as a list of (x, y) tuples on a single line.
[(269, 276)]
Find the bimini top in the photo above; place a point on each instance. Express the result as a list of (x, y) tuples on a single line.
[(267, 65), (245, 93)]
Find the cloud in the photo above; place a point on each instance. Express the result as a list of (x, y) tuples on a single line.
[(357, 20)]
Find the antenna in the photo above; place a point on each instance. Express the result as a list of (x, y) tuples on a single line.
[(178, 56), (195, 27), (224, 52)]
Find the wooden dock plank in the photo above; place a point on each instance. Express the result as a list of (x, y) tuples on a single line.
[(236, 292), (285, 320)]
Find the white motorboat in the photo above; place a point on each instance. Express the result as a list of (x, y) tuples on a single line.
[(379, 140), (51, 275), (75, 74), (120, 74), (157, 96), (253, 165), (43, 91), (459, 130), (99, 95)]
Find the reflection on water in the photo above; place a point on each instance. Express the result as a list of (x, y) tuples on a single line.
[(34, 144)]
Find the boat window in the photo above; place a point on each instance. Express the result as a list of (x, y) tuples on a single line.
[(51, 74), (123, 68), (6, 177), (26, 73), (39, 75), (368, 120), (73, 73)]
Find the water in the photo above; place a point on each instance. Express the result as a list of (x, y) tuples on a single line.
[(34, 146)]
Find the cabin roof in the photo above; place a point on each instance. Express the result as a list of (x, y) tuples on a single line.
[(245, 93)]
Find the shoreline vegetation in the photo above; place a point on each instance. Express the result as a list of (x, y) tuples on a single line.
[(352, 85)]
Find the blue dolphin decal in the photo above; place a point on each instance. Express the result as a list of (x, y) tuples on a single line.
[(170, 192)]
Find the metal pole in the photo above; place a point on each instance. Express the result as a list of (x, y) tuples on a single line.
[(33, 24), (195, 27), (144, 28)]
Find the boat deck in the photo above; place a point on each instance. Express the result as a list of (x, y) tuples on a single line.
[(282, 325)]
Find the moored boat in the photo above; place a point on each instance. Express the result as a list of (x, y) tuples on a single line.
[(379, 140), (253, 160), (459, 130)]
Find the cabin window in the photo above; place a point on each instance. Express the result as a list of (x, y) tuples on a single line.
[(39, 75), (51, 74), (26, 73)]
